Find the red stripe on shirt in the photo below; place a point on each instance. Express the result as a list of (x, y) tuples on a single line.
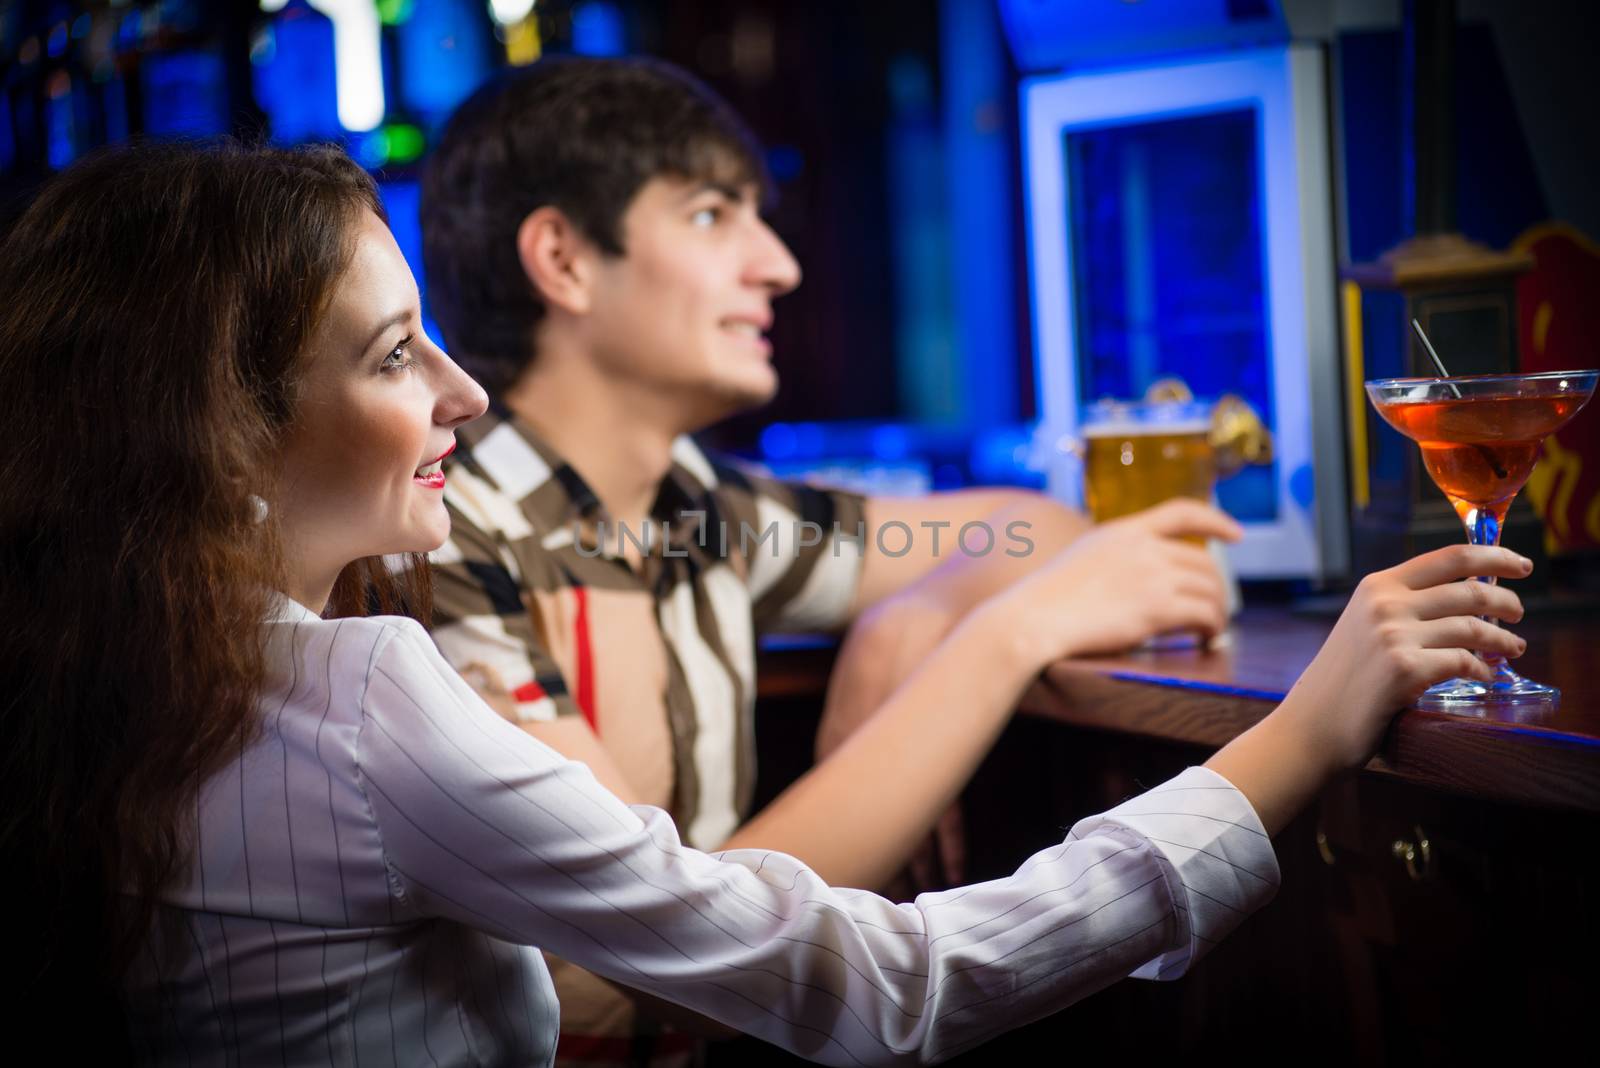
[(580, 626)]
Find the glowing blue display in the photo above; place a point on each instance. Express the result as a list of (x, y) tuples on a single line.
[(1169, 281)]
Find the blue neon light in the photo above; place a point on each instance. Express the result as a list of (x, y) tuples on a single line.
[(293, 71), (400, 201), (598, 29), (8, 142), (60, 146), (980, 204), (185, 94), (444, 56)]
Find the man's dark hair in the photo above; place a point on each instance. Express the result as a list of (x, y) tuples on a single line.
[(583, 135)]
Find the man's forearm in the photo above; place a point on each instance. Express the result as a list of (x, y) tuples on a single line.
[(856, 817), (1027, 531)]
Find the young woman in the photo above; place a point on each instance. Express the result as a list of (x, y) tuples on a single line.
[(278, 828)]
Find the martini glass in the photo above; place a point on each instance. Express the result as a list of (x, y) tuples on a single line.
[(1480, 437)]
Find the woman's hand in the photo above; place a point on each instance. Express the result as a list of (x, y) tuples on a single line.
[(1122, 583), (1404, 630)]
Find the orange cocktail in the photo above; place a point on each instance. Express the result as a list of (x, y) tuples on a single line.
[(1481, 449), (1480, 437)]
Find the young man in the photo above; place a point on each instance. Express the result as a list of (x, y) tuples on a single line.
[(596, 259)]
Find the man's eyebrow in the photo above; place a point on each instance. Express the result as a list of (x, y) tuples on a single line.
[(735, 193)]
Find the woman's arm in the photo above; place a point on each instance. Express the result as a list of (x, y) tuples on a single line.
[(1403, 630), (482, 825)]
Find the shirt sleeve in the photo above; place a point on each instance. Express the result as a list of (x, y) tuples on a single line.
[(480, 620), (802, 547), (482, 824)]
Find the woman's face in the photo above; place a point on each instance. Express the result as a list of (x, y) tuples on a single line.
[(377, 411)]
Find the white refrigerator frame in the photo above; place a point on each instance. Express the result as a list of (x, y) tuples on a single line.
[(1286, 87)]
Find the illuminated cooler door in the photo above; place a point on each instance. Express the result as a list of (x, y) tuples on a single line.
[(1180, 225)]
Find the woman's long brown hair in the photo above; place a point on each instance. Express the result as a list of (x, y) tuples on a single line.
[(155, 306)]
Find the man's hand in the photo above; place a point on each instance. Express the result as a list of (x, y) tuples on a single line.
[(1129, 580), (1124, 582)]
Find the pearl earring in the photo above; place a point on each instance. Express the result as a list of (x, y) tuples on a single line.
[(258, 509)]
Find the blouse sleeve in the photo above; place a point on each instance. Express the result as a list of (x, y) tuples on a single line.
[(482, 824)]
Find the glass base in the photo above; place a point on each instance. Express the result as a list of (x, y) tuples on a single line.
[(1471, 697)]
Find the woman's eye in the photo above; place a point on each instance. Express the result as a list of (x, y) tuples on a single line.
[(706, 217), (400, 358)]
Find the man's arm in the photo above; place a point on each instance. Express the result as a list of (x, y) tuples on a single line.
[(960, 546), (910, 759), (905, 606)]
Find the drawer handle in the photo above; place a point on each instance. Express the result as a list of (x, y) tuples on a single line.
[(1325, 849), (1418, 856)]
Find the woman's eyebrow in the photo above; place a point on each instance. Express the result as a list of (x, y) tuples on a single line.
[(388, 324)]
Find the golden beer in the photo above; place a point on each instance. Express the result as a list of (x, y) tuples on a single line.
[(1132, 465)]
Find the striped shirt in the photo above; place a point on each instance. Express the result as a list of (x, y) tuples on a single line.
[(370, 875), (660, 660)]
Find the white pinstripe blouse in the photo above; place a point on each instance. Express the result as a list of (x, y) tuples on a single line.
[(371, 875)]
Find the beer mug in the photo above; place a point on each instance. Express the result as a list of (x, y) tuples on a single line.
[(1137, 454)]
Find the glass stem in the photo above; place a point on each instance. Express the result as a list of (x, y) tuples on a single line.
[(1483, 528)]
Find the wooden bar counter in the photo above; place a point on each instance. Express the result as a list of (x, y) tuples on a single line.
[(1544, 757), (1437, 907)]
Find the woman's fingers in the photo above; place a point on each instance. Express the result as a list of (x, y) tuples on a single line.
[(1468, 632), (1469, 598), (1459, 562), (1433, 666)]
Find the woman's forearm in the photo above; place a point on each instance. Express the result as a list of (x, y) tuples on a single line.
[(1276, 764)]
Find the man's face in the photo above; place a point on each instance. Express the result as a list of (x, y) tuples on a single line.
[(685, 310)]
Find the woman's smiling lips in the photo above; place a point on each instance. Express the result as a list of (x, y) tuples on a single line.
[(431, 474)]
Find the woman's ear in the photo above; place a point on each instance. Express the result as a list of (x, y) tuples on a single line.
[(557, 259)]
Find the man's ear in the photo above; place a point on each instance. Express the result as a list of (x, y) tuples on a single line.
[(557, 258)]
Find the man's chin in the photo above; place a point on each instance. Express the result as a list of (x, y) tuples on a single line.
[(729, 397)]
